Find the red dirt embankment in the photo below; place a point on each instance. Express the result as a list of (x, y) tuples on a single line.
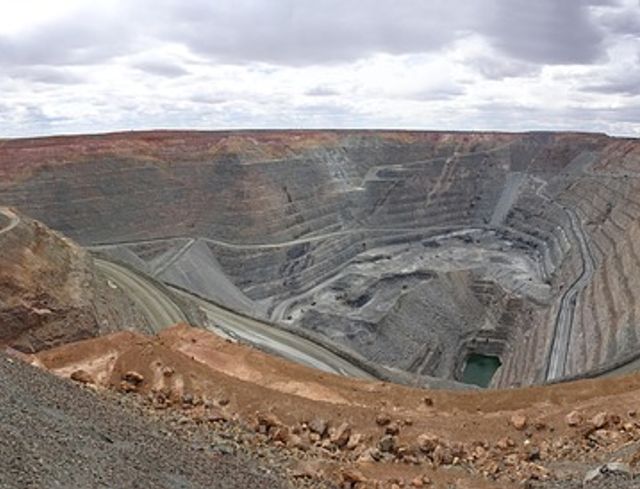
[(372, 430), (19, 158)]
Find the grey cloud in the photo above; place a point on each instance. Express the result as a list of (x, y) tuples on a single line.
[(208, 99), (628, 113), (321, 91), (46, 74), (37, 119), (498, 68), (622, 86), (303, 32), (73, 40), (546, 31), (161, 68), (438, 93), (626, 80), (624, 21)]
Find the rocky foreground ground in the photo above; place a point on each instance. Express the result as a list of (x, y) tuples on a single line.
[(188, 403), (55, 434)]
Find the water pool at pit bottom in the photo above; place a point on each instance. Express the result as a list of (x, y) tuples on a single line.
[(479, 369)]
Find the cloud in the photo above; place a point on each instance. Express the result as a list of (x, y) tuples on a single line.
[(545, 31), (304, 32), (436, 93), (73, 40), (161, 68), (624, 21), (497, 68), (321, 91), (46, 74), (88, 65), (629, 86)]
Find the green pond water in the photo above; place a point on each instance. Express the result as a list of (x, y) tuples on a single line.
[(479, 369)]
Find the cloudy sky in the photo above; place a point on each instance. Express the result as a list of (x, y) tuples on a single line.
[(100, 65)]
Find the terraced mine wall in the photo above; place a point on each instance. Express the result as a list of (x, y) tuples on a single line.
[(412, 248)]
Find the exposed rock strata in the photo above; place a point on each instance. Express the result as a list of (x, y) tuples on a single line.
[(287, 215), (50, 294)]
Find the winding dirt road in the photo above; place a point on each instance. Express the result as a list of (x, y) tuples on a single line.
[(285, 344), (565, 318), (12, 219), (157, 306), (162, 311)]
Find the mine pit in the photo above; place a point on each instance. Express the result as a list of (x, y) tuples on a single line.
[(420, 243)]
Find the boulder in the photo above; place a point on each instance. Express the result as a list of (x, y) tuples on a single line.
[(82, 376), (519, 421), (340, 436), (319, 426), (574, 418)]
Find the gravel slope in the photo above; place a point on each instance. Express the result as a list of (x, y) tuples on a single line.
[(55, 434)]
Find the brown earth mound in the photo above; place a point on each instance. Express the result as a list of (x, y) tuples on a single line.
[(48, 283), (350, 430)]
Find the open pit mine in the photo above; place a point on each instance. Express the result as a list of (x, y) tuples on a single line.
[(358, 308)]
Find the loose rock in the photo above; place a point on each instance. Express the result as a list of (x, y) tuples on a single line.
[(519, 421), (82, 376), (574, 418)]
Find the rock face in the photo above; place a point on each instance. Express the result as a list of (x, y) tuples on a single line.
[(50, 293), (414, 249)]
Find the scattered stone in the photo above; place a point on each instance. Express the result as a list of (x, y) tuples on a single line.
[(340, 436), (442, 455), (127, 387), (600, 420), (387, 444), (82, 376), (428, 401), (540, 426), (512, 459), (595, 476), (574, 418), (417, 482), (533, 453), (392, 429), (133, 377), (296, 441), (215, 416), (536, 472), (319, 426), (267, 420), (354, 441), (383, 420), (519, 421), (427, 443), (505, 443), (352, 476), (368, 456), (280, 433)]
